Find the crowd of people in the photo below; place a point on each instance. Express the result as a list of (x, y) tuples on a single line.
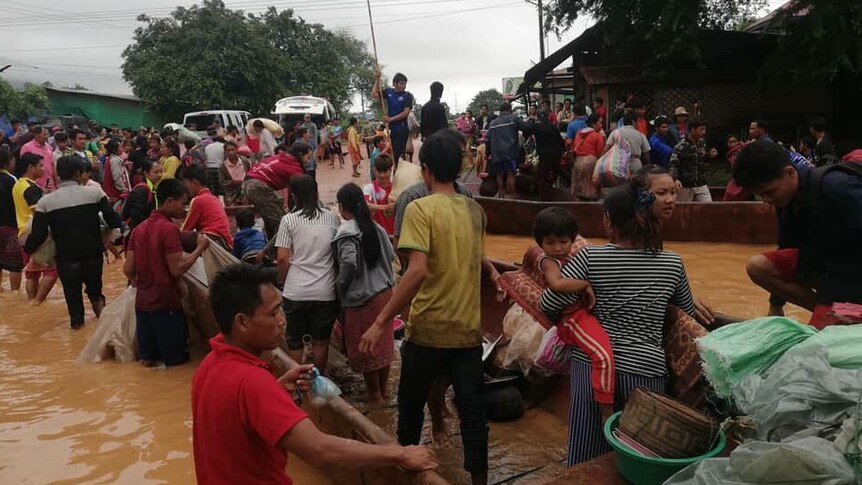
[(68, 197)]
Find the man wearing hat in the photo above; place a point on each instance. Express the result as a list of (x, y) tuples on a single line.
[(679, 130)]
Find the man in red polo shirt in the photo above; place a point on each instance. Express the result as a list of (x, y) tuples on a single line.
[(206, 212), (244, 421), (155, 262)]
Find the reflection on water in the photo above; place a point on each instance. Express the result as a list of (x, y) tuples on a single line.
[(65, 423), (109, 423)]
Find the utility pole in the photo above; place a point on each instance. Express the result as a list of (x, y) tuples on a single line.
[(541, 34)]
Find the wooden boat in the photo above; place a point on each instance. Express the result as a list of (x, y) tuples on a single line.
[(728, 222), (515, 455)]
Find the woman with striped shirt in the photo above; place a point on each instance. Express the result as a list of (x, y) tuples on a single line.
[(634, 280)]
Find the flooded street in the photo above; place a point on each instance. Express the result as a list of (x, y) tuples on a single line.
[(65, 423)]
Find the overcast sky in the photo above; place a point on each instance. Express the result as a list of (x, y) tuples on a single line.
[(468, 45)]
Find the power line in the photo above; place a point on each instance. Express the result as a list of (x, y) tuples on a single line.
[(396, 20), (437, 15), (298, 7), (28, 7)]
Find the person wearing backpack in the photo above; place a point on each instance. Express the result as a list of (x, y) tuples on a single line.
[(587, 148), (818, 262)]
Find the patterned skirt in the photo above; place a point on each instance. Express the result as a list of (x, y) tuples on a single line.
[(10, 250), (356, 321)]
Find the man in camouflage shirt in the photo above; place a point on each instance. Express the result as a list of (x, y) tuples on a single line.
[(688, 164)]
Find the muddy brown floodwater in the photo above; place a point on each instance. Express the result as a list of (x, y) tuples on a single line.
[(65, 423)]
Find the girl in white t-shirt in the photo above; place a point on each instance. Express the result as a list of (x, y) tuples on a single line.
[(307, 267)]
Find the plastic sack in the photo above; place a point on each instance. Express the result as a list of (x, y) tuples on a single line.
[(807, 461), (268, 124), (525, 335), (322, 389), (732, 352), (553, 354), (184, 133), (843, 343), (406, 175), (116, 334), (800, 392), (612, 168)]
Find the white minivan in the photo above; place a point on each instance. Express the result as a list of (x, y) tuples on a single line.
[(200, 120), (292, 110)]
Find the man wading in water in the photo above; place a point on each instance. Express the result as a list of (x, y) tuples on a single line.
[(244, 420), (443, 235)]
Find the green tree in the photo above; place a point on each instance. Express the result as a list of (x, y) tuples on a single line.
[(819, 40), (660, 30), (30, 101), (201, 57), (209, 56), (491, 97)]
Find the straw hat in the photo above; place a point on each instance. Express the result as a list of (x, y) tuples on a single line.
[(680, 111)]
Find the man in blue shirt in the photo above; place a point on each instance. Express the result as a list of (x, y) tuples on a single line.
[(661, 147), (578, 124), (399, 103), (819, 229)]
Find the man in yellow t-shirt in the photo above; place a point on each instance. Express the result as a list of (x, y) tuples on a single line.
[(25, 195), (443, 235)]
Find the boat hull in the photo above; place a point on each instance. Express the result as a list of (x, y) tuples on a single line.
[(725, 222)]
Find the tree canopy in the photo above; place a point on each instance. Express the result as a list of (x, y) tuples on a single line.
[(816, 39), (663, 27), (491, 97), (208, 56), (21, 104), (820, 40)]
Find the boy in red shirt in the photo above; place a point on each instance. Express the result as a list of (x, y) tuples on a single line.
[(206, 212), (377, 194), (155, 262), (244, 420)]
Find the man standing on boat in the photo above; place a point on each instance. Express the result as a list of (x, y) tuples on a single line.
[(443, 235), (820, 229), (244, 420), (399, 104)]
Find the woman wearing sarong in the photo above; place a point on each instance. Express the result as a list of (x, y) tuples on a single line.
[(11, 259), (232, 174), (631, 307), (587, 147), (364, 255)]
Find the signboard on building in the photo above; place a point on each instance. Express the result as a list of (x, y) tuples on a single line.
[(510, 86)]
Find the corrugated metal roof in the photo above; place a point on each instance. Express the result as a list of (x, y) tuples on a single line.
[(620, 74), (128, 97)]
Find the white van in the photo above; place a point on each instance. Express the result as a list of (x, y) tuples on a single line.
[(199, 121), (291, 110)]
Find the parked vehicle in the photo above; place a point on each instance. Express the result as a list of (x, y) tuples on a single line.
[(199, 121), (292, 110)]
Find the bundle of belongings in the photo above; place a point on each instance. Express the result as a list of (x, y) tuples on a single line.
[(115, 336), (802, 389), (527, 328)]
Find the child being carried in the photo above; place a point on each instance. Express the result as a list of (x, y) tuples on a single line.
[(555, 231)]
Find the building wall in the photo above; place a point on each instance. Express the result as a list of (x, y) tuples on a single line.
[(105, 110)]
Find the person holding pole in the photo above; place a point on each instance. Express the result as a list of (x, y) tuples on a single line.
[(397, 106)]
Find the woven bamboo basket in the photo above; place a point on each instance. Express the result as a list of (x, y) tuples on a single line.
[(666, 426)]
